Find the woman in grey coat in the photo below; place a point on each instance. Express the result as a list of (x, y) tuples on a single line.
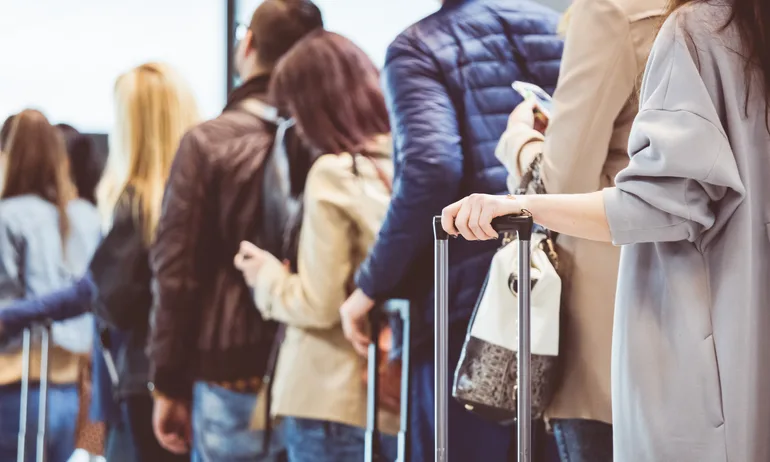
[(690, 362)]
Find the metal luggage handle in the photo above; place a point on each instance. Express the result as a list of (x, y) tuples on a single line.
[(521, 224), (42, 419)]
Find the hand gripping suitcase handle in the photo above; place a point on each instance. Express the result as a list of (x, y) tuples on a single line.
[(521, 224)]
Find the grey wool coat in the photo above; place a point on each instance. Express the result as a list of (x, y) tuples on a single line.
[(691, 341)]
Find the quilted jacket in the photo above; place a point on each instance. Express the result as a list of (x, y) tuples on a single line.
[(447, 81)]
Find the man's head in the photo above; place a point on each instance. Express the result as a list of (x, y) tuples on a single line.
[(275, 27)]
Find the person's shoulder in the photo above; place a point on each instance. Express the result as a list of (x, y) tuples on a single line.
[(633, 10), (25, 212), (82, 210), (331, 169), (701, 21), (28, 205), (472, 19)]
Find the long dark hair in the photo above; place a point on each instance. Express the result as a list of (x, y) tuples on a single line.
[(332, 89), (751, 19), (37, 164)]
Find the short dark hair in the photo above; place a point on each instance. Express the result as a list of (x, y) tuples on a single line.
[(332, 89), (86, 163), (277, 25)]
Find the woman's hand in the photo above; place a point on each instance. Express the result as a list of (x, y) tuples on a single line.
[(472, 216), (249, 261), (527, 115), (354, 320)]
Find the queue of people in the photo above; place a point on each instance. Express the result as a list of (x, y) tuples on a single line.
[(210, 283)]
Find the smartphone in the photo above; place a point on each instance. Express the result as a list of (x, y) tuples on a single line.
[(531, 92)]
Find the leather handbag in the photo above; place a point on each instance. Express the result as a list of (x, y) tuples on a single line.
[(485, 378)]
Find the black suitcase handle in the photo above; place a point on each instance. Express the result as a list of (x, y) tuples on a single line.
[(521, 224)]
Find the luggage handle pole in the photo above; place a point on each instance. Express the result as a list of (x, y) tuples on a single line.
[(42, 420), (405, 377), (371, 441), (26, 347), (441, 326), (522, 226)]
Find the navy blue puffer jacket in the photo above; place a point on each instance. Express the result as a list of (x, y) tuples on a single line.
[(448, 87)]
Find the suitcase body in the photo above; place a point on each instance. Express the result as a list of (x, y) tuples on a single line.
[(398, 308), (521, 225), (42, 419)]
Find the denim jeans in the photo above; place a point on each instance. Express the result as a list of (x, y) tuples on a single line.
[(221, 428), (309, 440), (583, 440), (62, 414)]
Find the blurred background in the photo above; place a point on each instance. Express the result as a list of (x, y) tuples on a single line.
[(67, 54)]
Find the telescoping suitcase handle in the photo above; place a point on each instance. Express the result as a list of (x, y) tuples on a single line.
[(377, 318), (522, 226), (40, 454)]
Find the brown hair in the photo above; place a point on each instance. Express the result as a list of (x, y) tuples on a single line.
[(37, 164), (277, 25), (332, 90), (752, 21)]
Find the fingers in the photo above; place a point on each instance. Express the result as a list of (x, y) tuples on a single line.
[(174, 443), (361, 348), (461, 220), (474, 220), (248, 249), (485, 222), (448, 217), (472, 216), (239, 261)]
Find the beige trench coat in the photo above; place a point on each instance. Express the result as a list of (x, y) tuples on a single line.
[(585, 146)]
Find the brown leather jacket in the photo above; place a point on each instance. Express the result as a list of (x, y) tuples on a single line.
[(205, 325)]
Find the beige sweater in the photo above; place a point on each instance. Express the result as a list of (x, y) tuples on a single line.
[(319, 375)]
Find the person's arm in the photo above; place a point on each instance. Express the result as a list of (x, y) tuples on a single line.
[(429, 166), (56, 306), (311, 298), (174, 261), (681, 165), (598, 75)]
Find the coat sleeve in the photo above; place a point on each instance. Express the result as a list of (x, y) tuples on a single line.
[(310, 299), (682, 163), (598, 75), (56, 306), (428, 166), (174, 259)]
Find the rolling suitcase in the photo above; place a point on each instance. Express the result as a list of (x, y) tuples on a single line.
[(398, 308), (43, 403), (521, 225)]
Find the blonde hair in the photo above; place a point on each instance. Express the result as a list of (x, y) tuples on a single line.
[(154, 108)]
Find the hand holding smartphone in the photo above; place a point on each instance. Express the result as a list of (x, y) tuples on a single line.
[(542, 100)]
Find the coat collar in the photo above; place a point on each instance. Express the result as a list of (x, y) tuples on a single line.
[(256, 87), (454, 3)]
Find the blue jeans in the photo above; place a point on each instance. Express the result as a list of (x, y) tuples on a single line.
[(583, 440), (309, 440), (62, 414), (221, 428)]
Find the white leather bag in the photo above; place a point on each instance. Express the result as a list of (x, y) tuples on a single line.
[(496, 319)]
